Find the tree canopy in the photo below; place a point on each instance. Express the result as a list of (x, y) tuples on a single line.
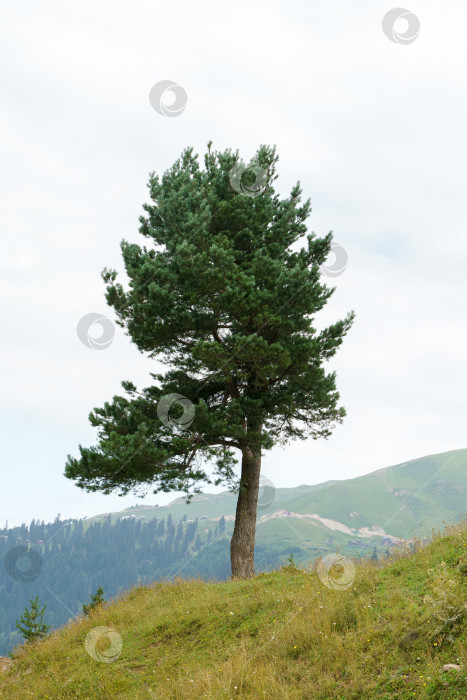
[(226, 299)]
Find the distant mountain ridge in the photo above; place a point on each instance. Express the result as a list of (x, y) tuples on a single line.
[(398, 501)]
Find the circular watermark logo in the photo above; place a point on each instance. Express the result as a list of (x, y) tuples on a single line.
[(168, 98), (335, 267), (103, 644), (23, 564), (336, 571), (165, 405), (401, 26), (87, 327), (267, 493), (250, 180)]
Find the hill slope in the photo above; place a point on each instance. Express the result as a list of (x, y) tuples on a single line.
[(386, 633), (356, 517)]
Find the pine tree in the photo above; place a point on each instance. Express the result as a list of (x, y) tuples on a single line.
[(223, 294), (30, 624), (96, 600)]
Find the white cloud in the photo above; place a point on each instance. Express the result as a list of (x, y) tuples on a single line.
[(374, 131)]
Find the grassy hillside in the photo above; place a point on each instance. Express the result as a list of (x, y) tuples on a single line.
[(280, 635)]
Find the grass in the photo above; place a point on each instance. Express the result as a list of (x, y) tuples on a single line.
[(279, 635)]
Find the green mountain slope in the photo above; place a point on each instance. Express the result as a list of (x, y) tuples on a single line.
[(399, 502)]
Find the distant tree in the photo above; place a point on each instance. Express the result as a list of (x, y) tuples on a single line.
[(30, 624), (96, 600), (221, 524), (224, 295), (374, 556), (160, 528), (179, 534)]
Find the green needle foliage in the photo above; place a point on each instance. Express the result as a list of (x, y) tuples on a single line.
[(224, 296), (30, 624), (96, 600)]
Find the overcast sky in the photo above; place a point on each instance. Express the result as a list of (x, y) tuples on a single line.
[(375, 130)]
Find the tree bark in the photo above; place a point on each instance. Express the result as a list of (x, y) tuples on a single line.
[(242, 545)]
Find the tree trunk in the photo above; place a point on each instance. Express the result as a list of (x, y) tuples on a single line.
[(242, 545)]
